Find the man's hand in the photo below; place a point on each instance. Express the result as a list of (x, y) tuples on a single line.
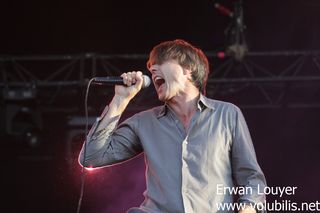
[(133, 81), (123, 94)]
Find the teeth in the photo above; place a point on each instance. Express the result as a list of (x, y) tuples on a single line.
[(157, 78)]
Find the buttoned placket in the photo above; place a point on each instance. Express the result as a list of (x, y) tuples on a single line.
[(185, 155)]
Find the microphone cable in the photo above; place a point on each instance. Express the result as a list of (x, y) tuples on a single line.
[(83, 171)]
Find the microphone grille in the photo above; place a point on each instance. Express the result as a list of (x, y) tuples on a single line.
[(146, 81)]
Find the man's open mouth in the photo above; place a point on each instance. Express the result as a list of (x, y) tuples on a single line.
[(158, 81)]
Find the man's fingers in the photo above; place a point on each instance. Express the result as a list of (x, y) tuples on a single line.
[(127, 79), (124, 78), (131, 78)]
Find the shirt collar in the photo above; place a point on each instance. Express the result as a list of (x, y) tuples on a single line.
[(162, 111), (203, 103)]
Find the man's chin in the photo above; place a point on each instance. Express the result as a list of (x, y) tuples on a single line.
[(162, 98)]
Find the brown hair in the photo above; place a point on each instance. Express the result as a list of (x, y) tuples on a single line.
[(188, 56)]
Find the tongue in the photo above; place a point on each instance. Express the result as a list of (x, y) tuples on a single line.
[(161, 81)]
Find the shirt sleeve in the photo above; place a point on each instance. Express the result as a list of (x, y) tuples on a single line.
[(246, 170), (111, 143)]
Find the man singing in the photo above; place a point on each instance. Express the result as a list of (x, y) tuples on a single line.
[(191, 144)]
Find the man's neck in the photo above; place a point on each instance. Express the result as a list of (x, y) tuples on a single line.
[(185, 105)]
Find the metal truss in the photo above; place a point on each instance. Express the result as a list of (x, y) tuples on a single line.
[(270, 79), (259, 80)]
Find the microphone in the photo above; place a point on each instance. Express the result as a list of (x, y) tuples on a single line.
[(116, 80)]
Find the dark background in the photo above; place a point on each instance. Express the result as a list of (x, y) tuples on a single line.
[(46, 179)]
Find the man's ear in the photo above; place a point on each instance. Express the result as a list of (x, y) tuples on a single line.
[(187, 72)]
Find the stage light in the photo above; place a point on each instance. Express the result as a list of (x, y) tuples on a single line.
[(23, 124), (32, 138), (238, 51), (19, 93), (89, 168), (235, 34)]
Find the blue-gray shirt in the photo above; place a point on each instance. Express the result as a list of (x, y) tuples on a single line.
[(185, 171)]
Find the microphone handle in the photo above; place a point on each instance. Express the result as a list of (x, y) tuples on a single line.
[(111, 80), (116, 80)]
